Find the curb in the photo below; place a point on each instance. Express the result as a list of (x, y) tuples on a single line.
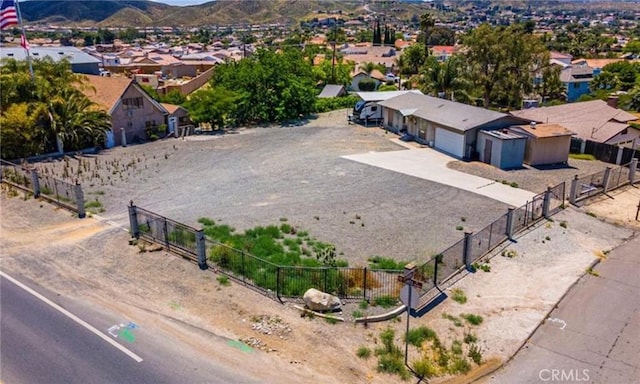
[(383, 317)]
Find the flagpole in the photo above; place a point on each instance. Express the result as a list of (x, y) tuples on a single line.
[(24, 36)]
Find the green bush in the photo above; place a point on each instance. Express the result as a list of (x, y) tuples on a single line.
[(475, 354), (423, 368), (385, 301), (458, 296), (364, 352), (379, 262), (333, 103), (472, 319), (367, 85), (223, 280), (417, 336)]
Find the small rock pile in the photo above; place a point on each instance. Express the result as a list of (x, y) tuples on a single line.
[(271, 325)]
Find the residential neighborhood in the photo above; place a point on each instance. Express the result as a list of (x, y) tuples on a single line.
[(322, 191)]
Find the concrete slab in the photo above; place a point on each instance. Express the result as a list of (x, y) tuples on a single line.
[(429, 164)]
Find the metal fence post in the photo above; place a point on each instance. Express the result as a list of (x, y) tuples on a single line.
[(35, 182), (605, 179), (165, 232), (244, 271), (633, 165), (510, 223), (201, 249), (133, 221), (324, 287), (573, 193), (435, 270), (278, 283), (364, 285), (546, 203), (467, 250), (79, 200)]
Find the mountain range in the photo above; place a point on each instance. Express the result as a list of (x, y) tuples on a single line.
[(133, 13)]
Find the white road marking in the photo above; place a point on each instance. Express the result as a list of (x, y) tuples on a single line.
[(73, 317)]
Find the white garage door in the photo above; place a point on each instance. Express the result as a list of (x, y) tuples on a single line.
[(450, 142)]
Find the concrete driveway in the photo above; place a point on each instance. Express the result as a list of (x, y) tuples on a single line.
[(594, 333), (429, 164)]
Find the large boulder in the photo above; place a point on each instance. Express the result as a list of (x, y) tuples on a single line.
[(317, 300)]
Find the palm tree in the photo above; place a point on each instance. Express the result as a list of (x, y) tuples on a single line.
[(426, 23), (368, 67), (445, 80)]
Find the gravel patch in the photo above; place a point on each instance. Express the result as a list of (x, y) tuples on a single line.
[(530, 178), (258, 176)]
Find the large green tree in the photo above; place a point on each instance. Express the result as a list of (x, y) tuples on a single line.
[(51, 108), (502, 62), (272, 86)]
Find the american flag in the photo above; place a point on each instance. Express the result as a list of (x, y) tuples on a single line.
[(8, 14)]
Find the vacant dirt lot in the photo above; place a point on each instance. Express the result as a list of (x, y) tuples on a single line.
[(257, 176)]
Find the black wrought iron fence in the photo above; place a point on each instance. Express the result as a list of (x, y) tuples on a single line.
[(488, 238), (15, 174), (57, 189), (167, 232), (557, 198), (618, 176), (590, 185)]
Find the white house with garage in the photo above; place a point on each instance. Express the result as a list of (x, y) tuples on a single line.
[(446, 125)]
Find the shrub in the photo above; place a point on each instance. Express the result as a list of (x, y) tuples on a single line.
[(458, 296), (363, 352), (473, 319), (285, 228), (367, 85), (417, 336), (459, 227), (456, 347), (206, 222), (470, 338), (333, 103), (223, 280), (563, 224), (385, 301), (514, 184), (459, 365), (331, 320), (475, 354), (357, 314), (364, 304), (455, 319), (379, 262), (423, 368)]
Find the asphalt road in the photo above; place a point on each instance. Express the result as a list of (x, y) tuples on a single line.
[(593, 336), (42, 343)]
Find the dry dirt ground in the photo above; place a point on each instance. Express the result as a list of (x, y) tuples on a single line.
[(90, 260)]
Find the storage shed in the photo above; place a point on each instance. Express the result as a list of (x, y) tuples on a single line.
[(502, 148), (546, 143)]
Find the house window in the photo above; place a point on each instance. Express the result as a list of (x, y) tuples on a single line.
[(132, 103), (576, 85), (374, 108)]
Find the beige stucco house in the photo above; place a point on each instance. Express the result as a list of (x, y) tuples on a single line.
[(131, 109)]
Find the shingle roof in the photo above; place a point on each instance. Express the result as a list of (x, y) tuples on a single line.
[(594, 120), (107, 90), (444, 112)]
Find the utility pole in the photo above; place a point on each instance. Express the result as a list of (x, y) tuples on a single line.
[(409, 297)]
